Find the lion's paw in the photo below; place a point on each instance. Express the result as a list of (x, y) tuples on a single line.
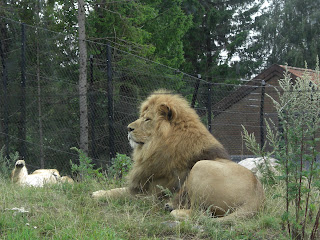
[(181, 213), (99, 194)]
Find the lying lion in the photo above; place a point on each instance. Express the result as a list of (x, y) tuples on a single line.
[(38, 178), (173, 150)]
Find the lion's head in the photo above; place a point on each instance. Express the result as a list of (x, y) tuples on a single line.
[(20, 164), (158, 114), (168, 138)]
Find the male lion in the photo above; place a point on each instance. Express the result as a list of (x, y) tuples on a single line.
[(173, 150)]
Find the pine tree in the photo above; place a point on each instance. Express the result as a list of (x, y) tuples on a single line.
[(289, 32), (219, 28)]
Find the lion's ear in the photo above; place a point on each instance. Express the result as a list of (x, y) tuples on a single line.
[(167, 112)]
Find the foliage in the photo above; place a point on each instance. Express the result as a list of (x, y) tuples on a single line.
[(85, 169), (168, 28), (219, 32), (298, 109), (287, 32), (7, 163), (152, 29), (120, 166)]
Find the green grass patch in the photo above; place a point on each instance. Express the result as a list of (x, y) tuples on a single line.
[(68, 212)]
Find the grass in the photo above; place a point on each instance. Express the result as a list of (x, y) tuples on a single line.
[(67, 212)]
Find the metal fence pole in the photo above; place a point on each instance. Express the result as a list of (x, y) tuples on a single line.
[(5, 98), (263, 86), (92, 100), (22, 123), (195, 93), (110, 106), (209, 106)]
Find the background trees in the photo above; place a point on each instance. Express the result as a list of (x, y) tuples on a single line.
[(220, 39), (288, 32), (220, 30)]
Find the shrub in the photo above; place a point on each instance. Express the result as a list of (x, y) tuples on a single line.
[(7, 163), (120, 166), (85, 169)]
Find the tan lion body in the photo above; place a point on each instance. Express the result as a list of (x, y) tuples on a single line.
[(174, 150)]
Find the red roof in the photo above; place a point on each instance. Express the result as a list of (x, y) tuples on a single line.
[(298, 72)]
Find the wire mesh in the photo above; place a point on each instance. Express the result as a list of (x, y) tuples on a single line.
[(50, 98)]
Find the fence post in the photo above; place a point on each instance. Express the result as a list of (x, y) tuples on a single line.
[(263, 86), (5, 98), (22, 123), (195, 93), (209, 106), (110, 106), (92, 111)]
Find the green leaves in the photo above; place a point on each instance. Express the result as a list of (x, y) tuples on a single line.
[(152, 29), (85, 169), (219, 32), (120, 166), (7, 162), (288, 30)]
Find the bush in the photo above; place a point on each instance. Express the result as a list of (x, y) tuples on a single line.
[(120, 166), (7, 163), (85, 169)]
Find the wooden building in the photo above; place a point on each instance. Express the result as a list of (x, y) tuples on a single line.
[(249, 105)]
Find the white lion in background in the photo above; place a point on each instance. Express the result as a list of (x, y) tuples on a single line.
[(38, 178), (260, 165)]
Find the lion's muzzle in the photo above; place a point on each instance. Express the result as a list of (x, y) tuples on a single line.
[(132, 141), (20, 164)]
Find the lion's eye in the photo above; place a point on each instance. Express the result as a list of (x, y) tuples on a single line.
[(147, 119)]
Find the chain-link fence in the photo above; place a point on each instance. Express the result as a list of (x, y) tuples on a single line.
[(40, 101)]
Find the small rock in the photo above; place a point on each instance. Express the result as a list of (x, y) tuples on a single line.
[(171, 224), (17, 210)]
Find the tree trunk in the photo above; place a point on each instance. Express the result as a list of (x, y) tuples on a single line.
[(83, 78)]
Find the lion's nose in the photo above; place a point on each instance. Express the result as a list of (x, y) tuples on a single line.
[(130, 129)]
